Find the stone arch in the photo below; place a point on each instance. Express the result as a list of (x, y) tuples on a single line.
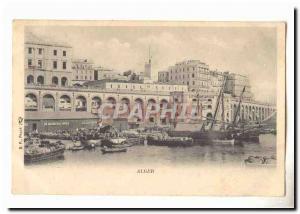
[(54, 80), (163, 102), (125, 104), (64, 81), (209, 115), (140, 102), (65, 103), (151, 103), (30, 79), (95, 104), (80, 103), (111, 100), (48, 103), (194, 102), (96, 101), (31, 103), (162, 105), (40, 80), (140, 105), (125, 101)]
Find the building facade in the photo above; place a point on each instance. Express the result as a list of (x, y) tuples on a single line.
[(163, 76), (193, 73), (82, 70), (51, 100), (47, 63), (235, 85), (101, 73)]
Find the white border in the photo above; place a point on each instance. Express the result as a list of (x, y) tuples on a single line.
[(139, 10)]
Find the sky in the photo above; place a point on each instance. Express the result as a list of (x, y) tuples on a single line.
[(248, 51)]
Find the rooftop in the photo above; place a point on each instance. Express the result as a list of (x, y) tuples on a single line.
[(191, 62)]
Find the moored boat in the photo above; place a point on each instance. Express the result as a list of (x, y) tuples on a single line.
[(38, 150), (123, 145), (223, 142), (259, 161), (113, 150), (77, 148), (91, 143), (165, 140)]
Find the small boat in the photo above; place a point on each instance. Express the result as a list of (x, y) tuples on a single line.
[(91, 144), (165, 140), (223, 142), (113, 150), (38, 150), (77, 148), (259, 161), (123, 145), (118, 140)]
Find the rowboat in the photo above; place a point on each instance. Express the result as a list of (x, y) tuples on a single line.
[(77, 148), (117, 140), (223, 142), (123, 145), (113, 150), (259, 161)]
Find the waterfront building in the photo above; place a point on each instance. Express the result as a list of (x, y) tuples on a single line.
[(101, 73), (52, 102), (133, 77), (216, 80), (193, 73), (236, 84), (163, 76), (82, 71), (47, 63)]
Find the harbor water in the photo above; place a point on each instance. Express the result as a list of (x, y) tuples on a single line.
[(168, 156)]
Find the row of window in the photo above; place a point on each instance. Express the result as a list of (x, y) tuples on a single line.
[(148, 86), (77, 66), (81, 77), (179, 77), (40, 64), (86, 72), (41, 50), (41, 80), (188, 83), (187, 69)]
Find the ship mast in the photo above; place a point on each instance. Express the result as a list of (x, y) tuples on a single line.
[(238, 108), (222, 115), (218, 103)]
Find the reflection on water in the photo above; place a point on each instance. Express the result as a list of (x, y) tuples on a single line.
[(190, 156)]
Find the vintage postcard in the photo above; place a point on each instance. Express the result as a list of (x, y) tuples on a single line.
[(148, 108)]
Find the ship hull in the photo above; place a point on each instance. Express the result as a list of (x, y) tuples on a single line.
[(30, 158), (169, 142), (209, 136)]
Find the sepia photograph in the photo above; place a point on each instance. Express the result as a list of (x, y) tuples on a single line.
[(107, 107)]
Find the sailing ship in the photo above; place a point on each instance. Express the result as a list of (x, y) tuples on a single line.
[(225, 133)]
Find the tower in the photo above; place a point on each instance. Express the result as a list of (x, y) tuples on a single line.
[(148, 66)]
